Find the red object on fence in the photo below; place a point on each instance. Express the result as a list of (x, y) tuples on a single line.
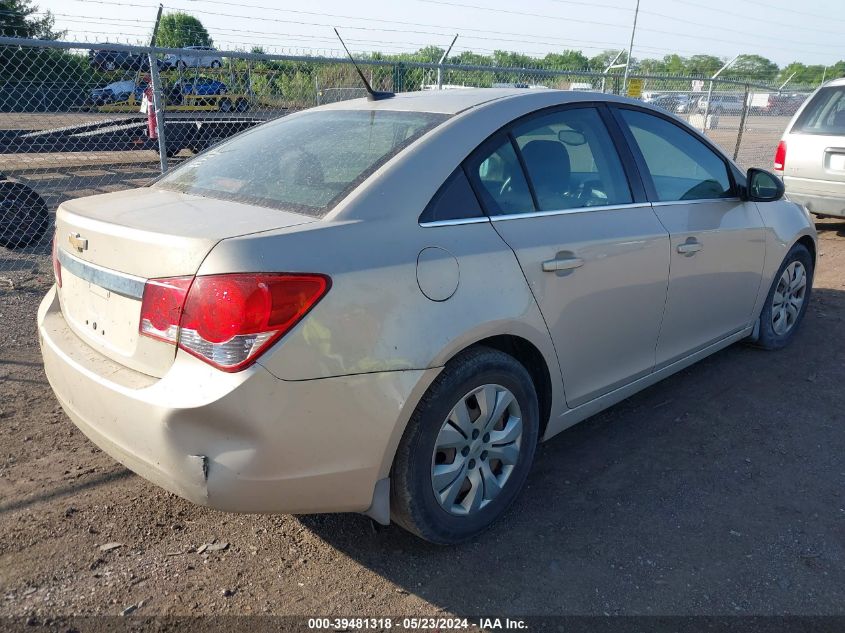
[(152, 124)]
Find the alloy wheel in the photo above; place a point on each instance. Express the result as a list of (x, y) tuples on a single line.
[(789, 298), (476, 450)]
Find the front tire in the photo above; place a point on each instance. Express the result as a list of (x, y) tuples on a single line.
[(787, 300), (468, 448)]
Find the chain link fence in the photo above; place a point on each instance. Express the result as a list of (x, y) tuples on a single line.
[(71, 120)]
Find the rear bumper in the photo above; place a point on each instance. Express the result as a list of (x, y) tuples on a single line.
[(243, 442), (825, 204)]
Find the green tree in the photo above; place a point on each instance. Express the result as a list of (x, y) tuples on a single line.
[(567, 60), (177, 30), (753, 67), (702, 65), (19, 18), (836, 71)]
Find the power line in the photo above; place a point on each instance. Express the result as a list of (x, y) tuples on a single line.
[(607, 24), (756, 18), (697, 23), (791, 11), (534, 38)]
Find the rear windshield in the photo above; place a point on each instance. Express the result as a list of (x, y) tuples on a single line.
[(825, 114), (306, 163)]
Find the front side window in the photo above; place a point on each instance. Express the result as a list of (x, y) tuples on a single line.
[(571, 160), (305, 163), (680, 165), (825, 114)]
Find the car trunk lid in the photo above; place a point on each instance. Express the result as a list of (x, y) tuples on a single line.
[(110, 245)]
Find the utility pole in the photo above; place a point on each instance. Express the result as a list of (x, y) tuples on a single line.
[(443, 59), (710, 90), (630, 48), (824, 76)]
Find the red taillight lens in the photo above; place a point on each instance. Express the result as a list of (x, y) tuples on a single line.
[(161, 307), (57, 266), (780, 156), (228, 320)]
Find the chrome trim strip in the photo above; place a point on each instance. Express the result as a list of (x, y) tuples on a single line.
[(119, 283), (711, 200), (456, 222), (542, 214)]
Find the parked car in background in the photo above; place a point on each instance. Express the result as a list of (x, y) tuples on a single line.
[(197, 86), (774, 104), (675, 103), (108, 60), (382, 306), (194, 57), (721, 104), (811, 155), (785, 105), (200, 86), (117, 91)]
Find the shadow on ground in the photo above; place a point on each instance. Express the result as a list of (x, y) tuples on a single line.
[(716, 491)]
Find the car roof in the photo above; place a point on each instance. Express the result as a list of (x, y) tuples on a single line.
[(458, 100), (836, 82)]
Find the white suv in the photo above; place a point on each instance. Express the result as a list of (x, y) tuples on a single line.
[(811, 155)]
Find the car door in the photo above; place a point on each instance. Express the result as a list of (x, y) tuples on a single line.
[(589, 244), (717, 239)]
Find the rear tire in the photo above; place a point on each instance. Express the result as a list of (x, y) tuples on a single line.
[(787, 300), (495, 399)]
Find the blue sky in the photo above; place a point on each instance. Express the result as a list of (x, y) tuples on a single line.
[(782, 30)]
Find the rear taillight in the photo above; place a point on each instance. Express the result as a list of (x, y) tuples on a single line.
[(161, 307), (780, 156), (57, 266), (228, 320)]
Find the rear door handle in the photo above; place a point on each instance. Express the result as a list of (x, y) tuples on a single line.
[(563, 263), (690, 247)]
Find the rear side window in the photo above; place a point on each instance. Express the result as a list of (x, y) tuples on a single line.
[(680, 165), (454, 201), (500, 179), (305, 163), (825, 114)]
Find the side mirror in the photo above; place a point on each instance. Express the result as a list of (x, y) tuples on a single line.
[(764, 186)]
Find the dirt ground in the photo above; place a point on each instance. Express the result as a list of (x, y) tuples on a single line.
[(717, 492)]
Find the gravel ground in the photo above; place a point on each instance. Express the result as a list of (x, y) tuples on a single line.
[(718, 491)]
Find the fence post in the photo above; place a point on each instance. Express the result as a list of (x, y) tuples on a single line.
[(707, 107), (745, 108), (157, 104)]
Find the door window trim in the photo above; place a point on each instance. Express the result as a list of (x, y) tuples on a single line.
[(648, 182), (543, 214)]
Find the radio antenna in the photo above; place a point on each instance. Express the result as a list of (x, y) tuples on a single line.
[(372, 95)]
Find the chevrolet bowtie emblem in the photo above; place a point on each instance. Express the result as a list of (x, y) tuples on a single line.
[(77, 241)]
